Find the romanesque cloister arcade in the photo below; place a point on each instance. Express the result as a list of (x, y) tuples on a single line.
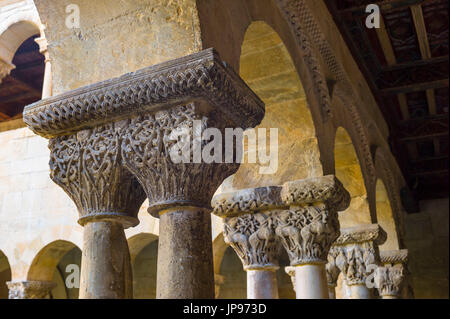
[(111, 206)]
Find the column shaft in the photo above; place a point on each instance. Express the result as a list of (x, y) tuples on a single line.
[(105, 264), (360, 292), (262, 284), (185, 263), (332, 292), (311, 281)]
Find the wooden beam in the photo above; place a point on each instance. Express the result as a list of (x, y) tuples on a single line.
[(424, 45), (4, 116), (407, 65), (415, 87), (383, 4), (19, 96)]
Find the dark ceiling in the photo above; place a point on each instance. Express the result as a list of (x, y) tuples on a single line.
[(24, 85), (405, 62)]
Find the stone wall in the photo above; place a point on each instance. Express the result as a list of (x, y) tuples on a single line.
[(427, 240)]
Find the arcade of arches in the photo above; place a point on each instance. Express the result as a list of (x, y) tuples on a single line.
[(69, 229)]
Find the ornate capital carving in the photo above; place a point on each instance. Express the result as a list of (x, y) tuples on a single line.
[(332, 268), (200, 76), (390, 280), (87, 166), (30, 289), (247, 201), (146, 150), (253, 238), (309, 227), (356, 252)]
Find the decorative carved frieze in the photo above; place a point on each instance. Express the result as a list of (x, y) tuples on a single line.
[(356, 252), (390, 280), (200, 76), (309, 227), (247, 200), (394, 257), (87, 166), (30, 289)]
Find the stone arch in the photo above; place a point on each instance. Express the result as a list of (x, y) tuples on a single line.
[(385, 217), (268, 69), (391, 185), (144, 252), (348, 171), (50, 264), (231, 20), (138, 242), (44, 263), (5, 275), (14, 36)]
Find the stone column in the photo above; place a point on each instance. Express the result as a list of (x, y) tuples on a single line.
[(358, 256), (86, 166), (392, 279), (250, 230), (308, 228), (43, 49), (332, 273), (30, 289), (161, 110)]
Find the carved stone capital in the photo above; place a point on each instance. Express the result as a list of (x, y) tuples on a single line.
[(331, 268), (309, 227), (390, 280), (87, 167), (356, 252), (253, 238), (30, 289), (247, 201), (5, 69)]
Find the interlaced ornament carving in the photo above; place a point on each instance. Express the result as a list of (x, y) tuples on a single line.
[(87, 166), (247, 200), (307, 233), (200, 76), (253, 238), (331, 268), (390, 280), (354, 261), (327, 189), (146, 151)]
